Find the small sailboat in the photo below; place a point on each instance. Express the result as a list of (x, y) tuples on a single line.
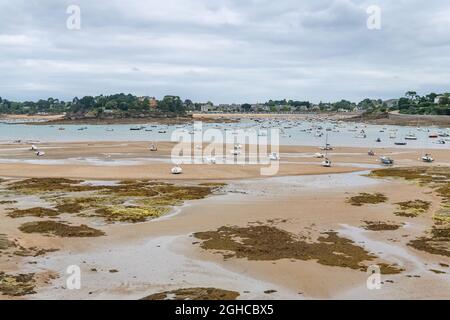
[(153, 147), (274, 156), (326, 163), (211, 160), (319, 155), (361, 135), (235, 152), (427, 158), (176, 170), (386, 160), (410, 136)]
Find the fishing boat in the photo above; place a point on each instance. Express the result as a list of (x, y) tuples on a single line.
[(176, 170)]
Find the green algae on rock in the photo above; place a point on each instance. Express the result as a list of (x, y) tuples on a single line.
[(60, 229), (412, 208), (194, 294), (130, 214)]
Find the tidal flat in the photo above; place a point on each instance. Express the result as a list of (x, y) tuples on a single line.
[(243, 239)]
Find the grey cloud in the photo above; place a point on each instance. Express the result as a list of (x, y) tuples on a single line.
[(224, 51)]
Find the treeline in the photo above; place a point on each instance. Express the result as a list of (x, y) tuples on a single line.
[(128, 105), (432, 104), (122, 105)]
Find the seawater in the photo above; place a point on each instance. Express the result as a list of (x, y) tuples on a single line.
[(292, 135)]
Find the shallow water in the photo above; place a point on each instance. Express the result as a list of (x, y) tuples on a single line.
[(293, 133)]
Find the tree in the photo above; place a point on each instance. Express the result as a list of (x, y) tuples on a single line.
[(246, 107)]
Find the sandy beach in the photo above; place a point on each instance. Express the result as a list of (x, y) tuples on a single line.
[(303, 200)]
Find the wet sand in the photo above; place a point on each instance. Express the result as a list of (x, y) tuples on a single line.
[(133, 160), (162, 254)]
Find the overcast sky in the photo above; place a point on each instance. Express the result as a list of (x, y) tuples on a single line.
[(224, 51)]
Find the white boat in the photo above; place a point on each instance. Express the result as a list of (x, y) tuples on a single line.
[(153, 147), (40, 153), (33, 148), (177, 170), (319, 155), (427, 158), (326, 163), (274, 156), (211, 160), (410, 136)]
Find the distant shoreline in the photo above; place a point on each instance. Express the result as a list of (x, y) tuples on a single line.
[(383, 119)]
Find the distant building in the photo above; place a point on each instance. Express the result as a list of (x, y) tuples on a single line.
[(153, 103), (437, 100), (391, 103)]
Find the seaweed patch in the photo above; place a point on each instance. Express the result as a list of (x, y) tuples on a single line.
[(367, 198), (60, 229), (194, 294), (380, 226), (17, 285), (262, 242)]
